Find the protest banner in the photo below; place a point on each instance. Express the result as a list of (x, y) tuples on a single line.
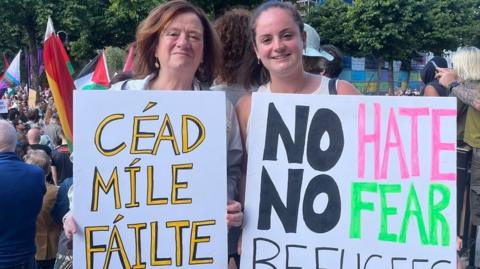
[(150, 179), (350, 182), (3, 106), (32, 98)]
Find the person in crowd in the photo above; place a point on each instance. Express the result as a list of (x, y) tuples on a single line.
[(178, 49), (34, 137), (53, 130), (47, 231), (312, 51), (61, 159), (232, 29), (22, 187), (463, 81), (32, 117), (432, 86), (19, 125), (324, 60), (279, 39)]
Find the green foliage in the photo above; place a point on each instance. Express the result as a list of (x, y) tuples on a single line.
[(215, 8), (451, 23), (115, 57), (331, 22), (388, 29)]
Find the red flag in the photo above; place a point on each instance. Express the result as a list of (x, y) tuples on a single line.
[(57, 65), (130, 57)]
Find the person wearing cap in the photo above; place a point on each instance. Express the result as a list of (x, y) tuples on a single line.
[(325, 60)]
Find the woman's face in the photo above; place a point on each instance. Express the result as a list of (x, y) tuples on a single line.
[(278, 41), (180, 44)]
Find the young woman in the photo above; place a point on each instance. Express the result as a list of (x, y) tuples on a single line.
[(278, 38)]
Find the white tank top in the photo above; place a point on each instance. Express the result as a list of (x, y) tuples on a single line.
[(322, 89)]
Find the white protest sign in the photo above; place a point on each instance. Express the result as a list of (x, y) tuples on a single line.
[(3, 106), (150, 179), (350, 182)]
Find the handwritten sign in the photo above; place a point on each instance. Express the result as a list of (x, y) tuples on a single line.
[(150, 179), (3, 106), (350, 182), (32, 98)]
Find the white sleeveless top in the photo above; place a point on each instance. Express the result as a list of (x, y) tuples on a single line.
[(322, 89)]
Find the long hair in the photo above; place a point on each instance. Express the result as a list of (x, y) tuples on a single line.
[(232, 29), (255, 73), (466, 62), (150, 28)]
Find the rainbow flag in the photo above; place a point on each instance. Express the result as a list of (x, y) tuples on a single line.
[(59, 72), (11, 77)]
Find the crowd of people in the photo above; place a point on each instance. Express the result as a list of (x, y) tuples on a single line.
[(177, 48)]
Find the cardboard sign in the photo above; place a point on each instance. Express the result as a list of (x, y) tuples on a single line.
[(3, 106), (150, 179), (350, 182), (32, 98)]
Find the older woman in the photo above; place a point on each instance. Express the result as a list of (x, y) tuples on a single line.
[(177, 49)]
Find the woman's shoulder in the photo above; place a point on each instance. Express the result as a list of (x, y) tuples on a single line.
[(346, 88), (130, 84)]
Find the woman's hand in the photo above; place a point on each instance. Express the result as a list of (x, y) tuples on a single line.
[(69, 225), (234, 214), (446, 76)]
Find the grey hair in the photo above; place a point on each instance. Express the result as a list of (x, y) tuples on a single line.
[(8, 137), (38, 158)]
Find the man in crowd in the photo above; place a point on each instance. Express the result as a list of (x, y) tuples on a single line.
[(22, 187)]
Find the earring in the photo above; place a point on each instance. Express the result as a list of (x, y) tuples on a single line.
[(157, 63), (258, 61)]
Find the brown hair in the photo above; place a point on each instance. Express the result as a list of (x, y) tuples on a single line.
[(317, 65), (148, 35), (232, 29), (255, 73)]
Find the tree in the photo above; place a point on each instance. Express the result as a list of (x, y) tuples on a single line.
[(451, 23), (331, 22), (388, 29), (215, 8), (115, 58)]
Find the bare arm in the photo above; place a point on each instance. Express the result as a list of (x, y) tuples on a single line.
[(430, 91), (346, 88), (243, 113)]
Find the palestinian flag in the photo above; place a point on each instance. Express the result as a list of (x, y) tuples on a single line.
[(58, 70), (94, 75)]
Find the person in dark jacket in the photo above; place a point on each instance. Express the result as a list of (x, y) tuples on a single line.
[(432, 86), (22, 187)]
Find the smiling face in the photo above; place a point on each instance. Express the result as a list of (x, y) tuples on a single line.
[(278, 42), (180, 44)]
